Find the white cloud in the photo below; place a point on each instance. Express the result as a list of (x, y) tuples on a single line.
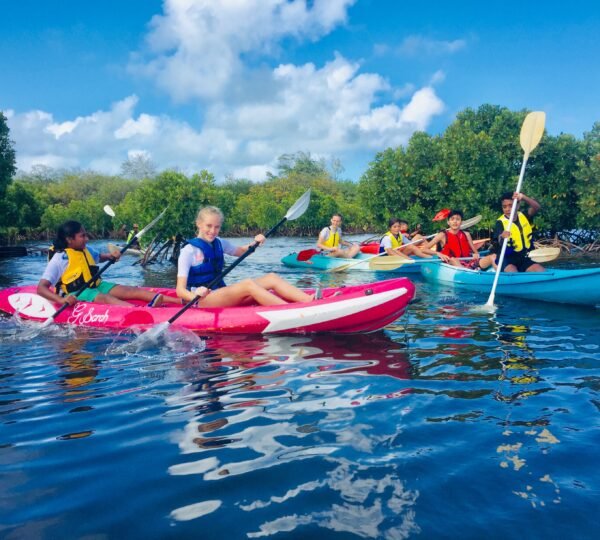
[(195, 47), (198, 50), (144, 125), (414, 45)]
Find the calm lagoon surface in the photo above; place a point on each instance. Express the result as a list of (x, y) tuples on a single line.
[(447, 424)]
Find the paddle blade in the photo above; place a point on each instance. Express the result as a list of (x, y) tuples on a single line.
[(150, 225), (544, 254), (532, 130), (299, 207), (389, 263), (442, 214), (306, 254), (147, 340), (470, 222), (108, 210)]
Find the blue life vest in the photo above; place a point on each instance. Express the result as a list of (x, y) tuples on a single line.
[(212, 265)]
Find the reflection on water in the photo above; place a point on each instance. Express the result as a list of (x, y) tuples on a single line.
[(446, 424), (298, 388)]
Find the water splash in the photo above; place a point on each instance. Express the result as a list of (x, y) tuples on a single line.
[(19, 330), (157, 341)]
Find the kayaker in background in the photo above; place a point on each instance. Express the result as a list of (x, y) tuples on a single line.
[(410, 237), (132, 233), (202, 260), (392, 243), (458, 244), (520, 243), (330, 240), (72, 263)]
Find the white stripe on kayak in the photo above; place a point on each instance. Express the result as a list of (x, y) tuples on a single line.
[(31, 305), (309, 314)]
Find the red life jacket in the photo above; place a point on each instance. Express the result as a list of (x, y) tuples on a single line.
[(456, 245)]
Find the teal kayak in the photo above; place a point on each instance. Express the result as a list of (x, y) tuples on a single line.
[(565, 286)]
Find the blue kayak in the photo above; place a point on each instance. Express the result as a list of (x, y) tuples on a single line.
[(316, 261), (565, 286)]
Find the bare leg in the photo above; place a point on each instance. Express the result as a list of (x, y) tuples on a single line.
[(241, 293), (536, 268), (487, 261), (125, 292), (345, 253), (110, 299), (283, 288), (414, 250)]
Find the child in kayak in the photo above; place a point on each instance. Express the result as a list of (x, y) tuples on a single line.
[(393, 244), (520, 243), (458, 244), (202, 260), (72, 264), (330, 240)]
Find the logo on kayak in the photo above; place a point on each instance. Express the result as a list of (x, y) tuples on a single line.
[(84, 314)]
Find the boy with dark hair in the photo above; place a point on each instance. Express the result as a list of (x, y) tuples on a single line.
[(519, 237)]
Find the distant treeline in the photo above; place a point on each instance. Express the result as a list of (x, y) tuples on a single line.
[(468, 167)]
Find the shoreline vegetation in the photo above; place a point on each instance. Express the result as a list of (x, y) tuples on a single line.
[(467, 167)]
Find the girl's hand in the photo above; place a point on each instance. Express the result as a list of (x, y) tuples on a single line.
[(70, 299), (201, 292), (443, 256), (260, 239), (475, 255)]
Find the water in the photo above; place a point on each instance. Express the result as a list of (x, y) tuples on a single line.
[(447, 424)]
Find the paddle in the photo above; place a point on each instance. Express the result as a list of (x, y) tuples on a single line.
[(464, 225), (531, 134), (298, 208), (541, 255), (88, 283)]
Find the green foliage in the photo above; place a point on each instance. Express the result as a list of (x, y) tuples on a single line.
[(476, 159), (587, 185), (7, 167)]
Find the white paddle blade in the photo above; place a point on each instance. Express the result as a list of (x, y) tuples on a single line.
[(299, 207), (108, 210), (544, 254), (532, 130), (151, 224), (470, 222), (113, 249)]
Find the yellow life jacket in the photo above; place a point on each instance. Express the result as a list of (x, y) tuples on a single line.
[(396, 242), (520, 240), (333, 240), (80, 270)]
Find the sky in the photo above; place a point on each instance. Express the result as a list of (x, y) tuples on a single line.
[(231, 85)]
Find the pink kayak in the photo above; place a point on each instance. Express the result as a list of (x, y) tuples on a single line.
[(357, 308)]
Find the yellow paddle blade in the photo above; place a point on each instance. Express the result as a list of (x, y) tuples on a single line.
[(544, 254), (532, 130), (389, 263)]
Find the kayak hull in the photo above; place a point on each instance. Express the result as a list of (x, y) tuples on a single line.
[(325, 263), (359, 308), (565, 286)]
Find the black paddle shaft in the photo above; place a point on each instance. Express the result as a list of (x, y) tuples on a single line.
[(251, 250)]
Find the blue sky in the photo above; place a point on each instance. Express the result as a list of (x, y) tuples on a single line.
[(230, 85)]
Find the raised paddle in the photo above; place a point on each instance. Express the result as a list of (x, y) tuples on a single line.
[(298, 208), (531, 134), (464, 225), (88, 283)]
